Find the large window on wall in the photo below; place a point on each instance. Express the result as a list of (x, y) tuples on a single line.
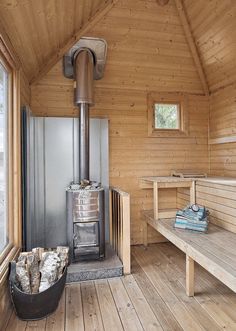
[(4, 94)]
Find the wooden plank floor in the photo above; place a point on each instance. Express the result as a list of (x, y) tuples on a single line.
[(152, 298)]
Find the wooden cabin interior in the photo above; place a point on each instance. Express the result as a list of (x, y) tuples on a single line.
[(178, 55)]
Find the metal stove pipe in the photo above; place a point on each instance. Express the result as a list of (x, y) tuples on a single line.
[(84, 141), (83, 98)]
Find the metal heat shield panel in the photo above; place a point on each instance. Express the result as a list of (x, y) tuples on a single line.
[(51, 160)]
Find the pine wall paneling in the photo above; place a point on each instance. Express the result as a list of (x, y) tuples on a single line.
[(223, 125), (213, 25), (132, 153), (147, 51), (219, 199)]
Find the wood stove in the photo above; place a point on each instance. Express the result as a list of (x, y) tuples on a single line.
[(85, 200), (85, 217)]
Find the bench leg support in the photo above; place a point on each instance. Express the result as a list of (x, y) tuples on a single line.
[(189, 276)]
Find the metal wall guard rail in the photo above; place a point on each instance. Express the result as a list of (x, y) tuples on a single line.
[(120, 226)]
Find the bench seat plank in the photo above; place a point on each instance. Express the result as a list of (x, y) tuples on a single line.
[(209, 250)]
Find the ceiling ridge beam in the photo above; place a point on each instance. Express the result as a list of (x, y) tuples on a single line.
[(192, 45), (44, 69)]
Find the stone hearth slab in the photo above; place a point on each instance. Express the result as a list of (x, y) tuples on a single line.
[(111, 266)]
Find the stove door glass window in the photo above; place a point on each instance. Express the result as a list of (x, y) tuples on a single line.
[(86, 234)]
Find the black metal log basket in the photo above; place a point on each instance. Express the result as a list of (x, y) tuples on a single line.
[(31, 307)]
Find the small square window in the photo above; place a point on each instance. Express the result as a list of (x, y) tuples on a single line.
[(167, 116)]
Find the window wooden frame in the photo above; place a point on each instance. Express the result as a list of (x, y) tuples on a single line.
[(14, 161), (168, 98)]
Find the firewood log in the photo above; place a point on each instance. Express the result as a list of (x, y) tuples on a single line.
[(49, 270), (63, 253), (23, 257), (33, 267), (39, 251), (22, 275), (49, 265)]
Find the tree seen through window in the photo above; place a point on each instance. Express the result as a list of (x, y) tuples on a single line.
[(166, 116)]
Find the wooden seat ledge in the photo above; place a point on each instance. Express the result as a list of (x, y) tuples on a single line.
[(201, 247)]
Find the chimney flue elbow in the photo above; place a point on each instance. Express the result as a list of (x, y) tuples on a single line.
[(83, 73)]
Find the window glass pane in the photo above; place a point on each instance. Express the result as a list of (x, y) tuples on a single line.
[(3, 158), (166, 116)]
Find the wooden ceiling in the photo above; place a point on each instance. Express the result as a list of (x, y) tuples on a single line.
[(41, 30), (147, 50), (213, 24), (38, 29)]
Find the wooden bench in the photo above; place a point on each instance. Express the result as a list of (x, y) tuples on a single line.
[(214, 251)]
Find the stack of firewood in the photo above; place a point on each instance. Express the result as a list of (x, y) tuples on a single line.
[(36, 271)]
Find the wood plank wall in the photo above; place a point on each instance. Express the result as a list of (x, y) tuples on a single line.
[(147, 51), (219, 199), (147, 48), (223, 125), (213, 24), (127, 112), (132, 153)]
